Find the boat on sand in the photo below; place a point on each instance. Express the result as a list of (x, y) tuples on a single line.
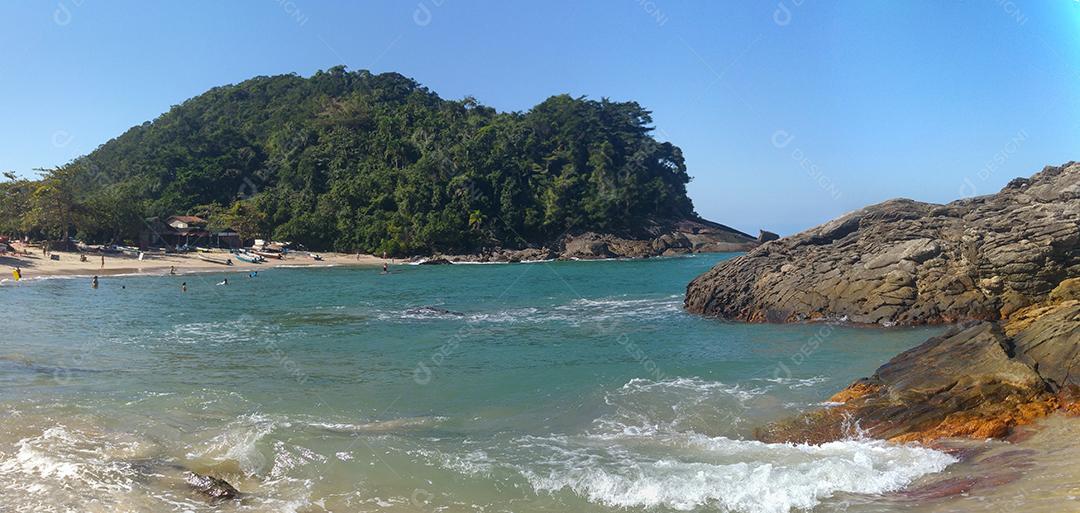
[(250, 258), (222, 261)]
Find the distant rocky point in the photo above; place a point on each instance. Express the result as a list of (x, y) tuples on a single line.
[(681, 237)]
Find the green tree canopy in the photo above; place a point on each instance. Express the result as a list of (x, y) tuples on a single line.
[(360, 161)]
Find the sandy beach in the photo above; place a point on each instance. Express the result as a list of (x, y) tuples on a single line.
[(36, 265)]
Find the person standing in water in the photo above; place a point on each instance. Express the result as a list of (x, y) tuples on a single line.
[(183, 287), (385, 269), (94, 282)]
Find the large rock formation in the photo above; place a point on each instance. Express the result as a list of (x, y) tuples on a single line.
[(974, 381), (1004, 266), (907, 262)]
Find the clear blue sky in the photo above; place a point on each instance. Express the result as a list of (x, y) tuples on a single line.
[(789, 112)]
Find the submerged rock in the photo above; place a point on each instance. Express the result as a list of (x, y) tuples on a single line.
[(216, 489), (907, 262), (432, 311)]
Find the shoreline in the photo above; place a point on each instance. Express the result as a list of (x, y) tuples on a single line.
[(36, 266)]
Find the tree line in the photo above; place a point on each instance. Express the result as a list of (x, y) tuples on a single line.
[(355, 161)]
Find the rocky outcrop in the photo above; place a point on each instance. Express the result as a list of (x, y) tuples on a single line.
[(906, 262), (1005, 267), (766, 236), (668, 239), (657, 239), (974, 381)]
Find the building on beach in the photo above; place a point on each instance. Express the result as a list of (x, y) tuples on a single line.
[(178, 231)]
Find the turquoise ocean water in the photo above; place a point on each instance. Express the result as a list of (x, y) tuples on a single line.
[(563, 386)]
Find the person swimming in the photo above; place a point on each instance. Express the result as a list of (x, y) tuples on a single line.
[(224, 282), (253, 274)]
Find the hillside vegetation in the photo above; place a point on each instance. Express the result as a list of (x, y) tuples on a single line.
[(360, 161)]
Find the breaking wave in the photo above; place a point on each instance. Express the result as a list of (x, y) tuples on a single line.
[(651, 450)]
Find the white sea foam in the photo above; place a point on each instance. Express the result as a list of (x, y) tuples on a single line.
[(472, 463), (63, 458), (644, 407), (240, 330), (379, 426), (692, 384), (797, 382), (646, 453), (735, 475), (605, 309), (239, 442), (576, 312)]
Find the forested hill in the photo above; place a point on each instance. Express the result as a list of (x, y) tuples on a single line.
[(360, 161)]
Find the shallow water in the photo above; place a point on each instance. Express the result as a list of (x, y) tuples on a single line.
[(566, 386)]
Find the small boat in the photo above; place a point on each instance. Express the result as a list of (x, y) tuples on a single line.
[(205, 258), (269, 254), (249, 258)]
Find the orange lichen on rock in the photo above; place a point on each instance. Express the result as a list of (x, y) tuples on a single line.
[(1069, 398), (997, 422), (973, 381), (1064, 295), (1024, 317)]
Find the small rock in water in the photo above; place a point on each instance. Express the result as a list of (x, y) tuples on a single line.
[(432, 310), (210, 486), (946, 488)]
